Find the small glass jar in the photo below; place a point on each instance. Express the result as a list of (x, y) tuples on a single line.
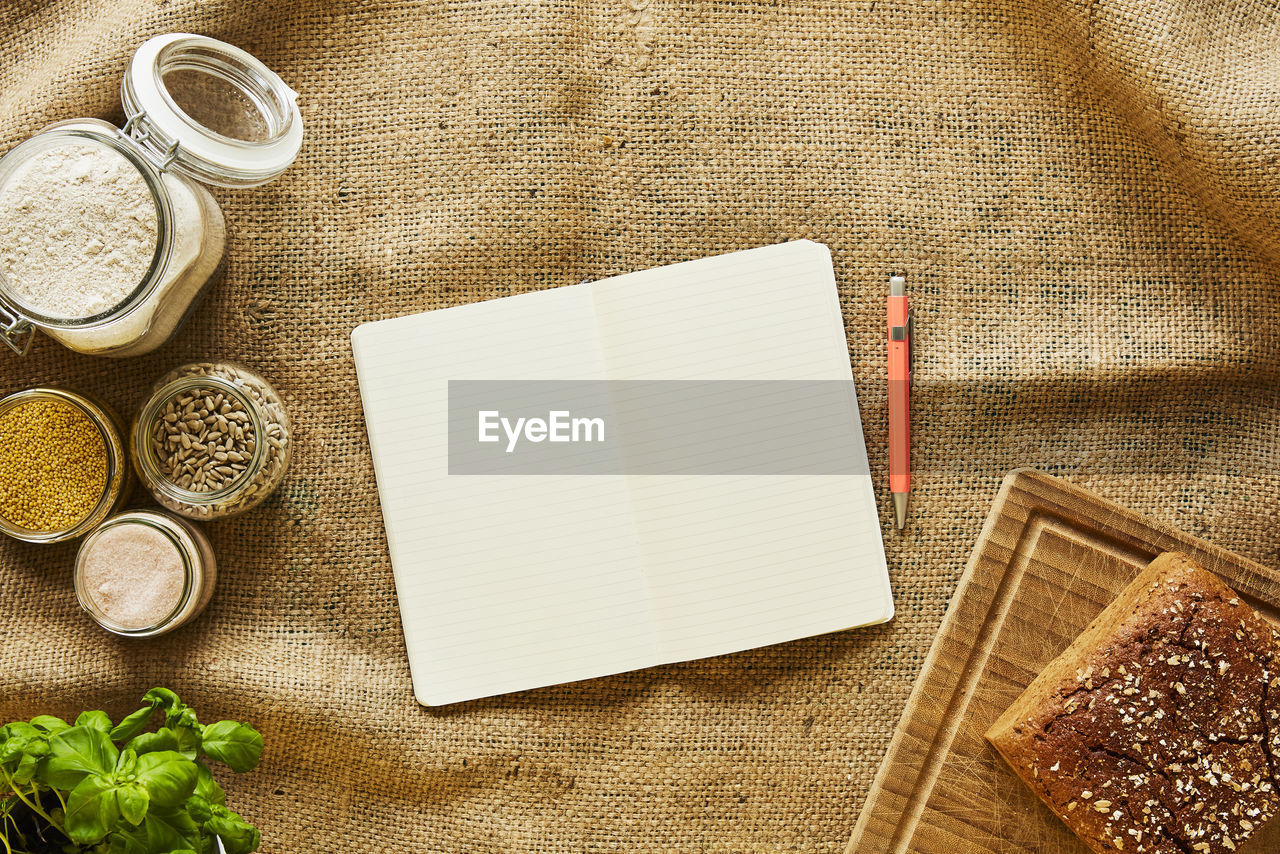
[(213, 440), (116, 475), (144, 573), (198, 110)]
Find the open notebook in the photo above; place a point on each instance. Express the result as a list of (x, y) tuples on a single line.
[(510, 582)]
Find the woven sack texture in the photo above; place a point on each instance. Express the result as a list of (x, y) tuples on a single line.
[(1085, 197)]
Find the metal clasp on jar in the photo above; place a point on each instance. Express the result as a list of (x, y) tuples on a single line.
[(138, 129), (16, 330)]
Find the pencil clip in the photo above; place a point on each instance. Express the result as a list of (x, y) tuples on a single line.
[(911, 348)]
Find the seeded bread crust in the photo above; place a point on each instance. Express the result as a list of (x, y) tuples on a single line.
[(1158, 729)]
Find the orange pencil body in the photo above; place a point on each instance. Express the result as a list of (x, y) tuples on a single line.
[(899, 332)]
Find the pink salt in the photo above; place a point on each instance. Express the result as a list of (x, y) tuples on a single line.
[(134, 575)]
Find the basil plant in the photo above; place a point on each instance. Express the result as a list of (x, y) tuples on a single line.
[(105, 788)]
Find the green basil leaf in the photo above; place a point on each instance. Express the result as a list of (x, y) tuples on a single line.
[(24, 740), (168, 776), (127, 843), (133, 800), (198, 808), (49, 723), (18, 729), (132, 724), (15, 738), (26, 769), (207, 787), (126, 764), (168, 829), (94, 720), (149, 742), (238, 745), (176, 712), (76, 753), (162, 698), (237, 835), (92, 810), (188, 741), (184, 717)]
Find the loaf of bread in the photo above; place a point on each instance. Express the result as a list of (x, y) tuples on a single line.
[(1158, 729)]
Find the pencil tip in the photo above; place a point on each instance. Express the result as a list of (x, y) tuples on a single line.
[(900, 500)]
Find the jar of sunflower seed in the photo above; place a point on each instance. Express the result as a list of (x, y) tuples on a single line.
[(213, 440)]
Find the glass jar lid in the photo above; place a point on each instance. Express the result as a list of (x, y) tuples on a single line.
[(210, 110)]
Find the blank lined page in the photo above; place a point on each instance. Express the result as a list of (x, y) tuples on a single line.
[(504, 583), (509, 582), (736, 562)]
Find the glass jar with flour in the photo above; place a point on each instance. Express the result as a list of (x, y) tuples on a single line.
[(107, 235)]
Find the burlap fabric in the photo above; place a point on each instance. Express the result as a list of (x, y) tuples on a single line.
[(1084, 195)]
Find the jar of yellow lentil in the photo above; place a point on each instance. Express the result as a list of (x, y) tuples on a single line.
[(63, 464)]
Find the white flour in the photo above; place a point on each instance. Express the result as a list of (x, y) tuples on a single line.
[(77, 230)]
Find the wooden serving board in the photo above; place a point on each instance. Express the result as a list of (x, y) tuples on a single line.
[(1050, 557)]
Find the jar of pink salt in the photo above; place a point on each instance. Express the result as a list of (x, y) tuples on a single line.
[(144, 573)]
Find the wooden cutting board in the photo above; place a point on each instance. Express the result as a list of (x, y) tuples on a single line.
[(1050, 557)]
